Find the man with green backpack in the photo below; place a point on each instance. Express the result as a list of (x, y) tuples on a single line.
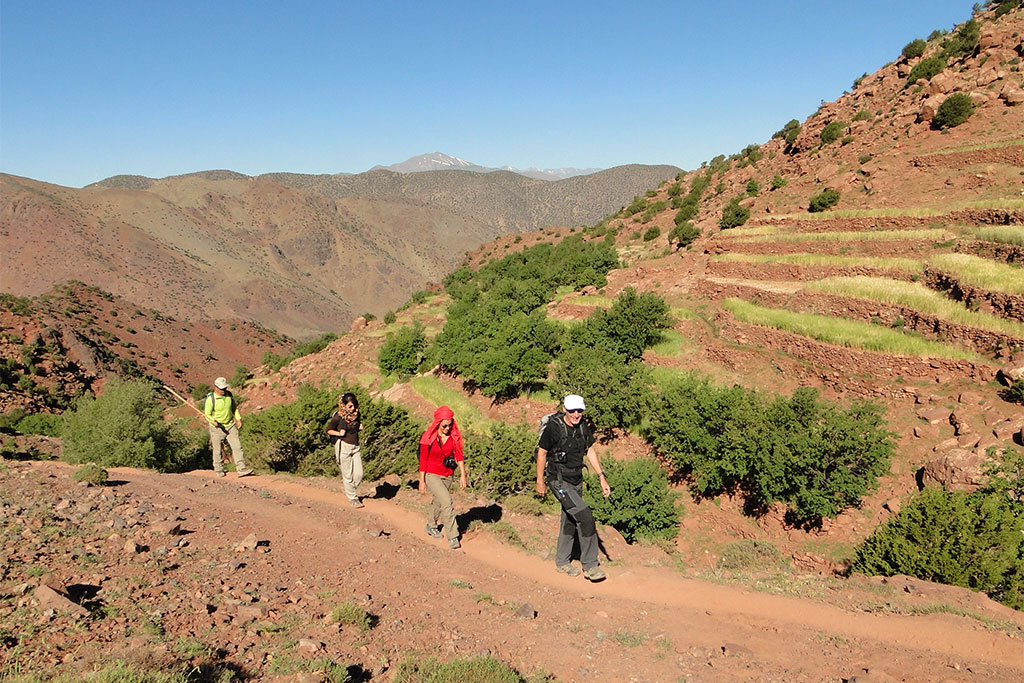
[(222, 414)]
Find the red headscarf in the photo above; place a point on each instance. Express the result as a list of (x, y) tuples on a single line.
[(443, 413)]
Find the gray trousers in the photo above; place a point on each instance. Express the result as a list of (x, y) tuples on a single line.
[(350, 463), (217, 437), (577, 522), (442, 507)]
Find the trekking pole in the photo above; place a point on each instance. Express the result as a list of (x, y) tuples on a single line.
[(193, 407)]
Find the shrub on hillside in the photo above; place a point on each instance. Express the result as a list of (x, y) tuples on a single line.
[(914, 49), (652, 233), (641, 505), (402, 351), (44, 424), (617, 391), (275, 362), (832, 131), (964, 42), (503, 460), (1004, 6), (815, 457), (684, 234), (953, 111), (825, 199), (733, 215), (952, 537), (91, 473), (789, 132), (753, 187), (482, 669), (125, 427), (927, 69), (778, 182)]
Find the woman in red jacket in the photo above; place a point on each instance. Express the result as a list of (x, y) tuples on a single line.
[(440, 455)]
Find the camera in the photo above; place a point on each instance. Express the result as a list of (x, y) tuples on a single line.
[(558, 457), (450, 462)]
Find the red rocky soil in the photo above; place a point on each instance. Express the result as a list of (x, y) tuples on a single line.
[(158, 567)]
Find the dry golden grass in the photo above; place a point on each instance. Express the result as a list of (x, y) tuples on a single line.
[(825, 260), (981, 272)]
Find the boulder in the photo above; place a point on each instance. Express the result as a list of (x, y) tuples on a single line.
[(955, 470), (1012, 94), (934, 416), (1012, 371), (929, 107), (51, 599), (941, 84)]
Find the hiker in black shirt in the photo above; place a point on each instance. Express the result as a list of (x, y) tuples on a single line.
[(563, 444)]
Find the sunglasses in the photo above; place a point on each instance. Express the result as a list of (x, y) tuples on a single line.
[(445, 424), (575, 411)]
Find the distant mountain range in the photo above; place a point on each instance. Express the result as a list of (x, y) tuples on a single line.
[(438, 161)]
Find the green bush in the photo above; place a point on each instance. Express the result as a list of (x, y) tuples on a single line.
[(753, 187), (817, 458), (789, 132), (351, 614), (652, 233), (964, 42), (275, 362), (684, 234), (778, 182), (652, 211), (953, 111), (91, 473), (617, 391), (862, 115), (389, 318), (733, 215), (44, 424), (970, 540), (125, 427), (636, 206), (502, 462), (402, 351), (914, 49), (1004, 6), (832, 131), (641, 505), (1016, 391), (927, 69), (825, 199)]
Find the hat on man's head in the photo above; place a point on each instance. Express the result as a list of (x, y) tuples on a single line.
[(574, 402), (220, 383)]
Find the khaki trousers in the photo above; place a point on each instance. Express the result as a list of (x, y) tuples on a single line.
[(217, 437), (350, 463), (442, 507)]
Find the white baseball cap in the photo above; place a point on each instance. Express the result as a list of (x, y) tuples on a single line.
[(574, 402), (222, 383)]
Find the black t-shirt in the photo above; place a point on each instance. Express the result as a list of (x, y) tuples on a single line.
[(574, 441), (338, 422)]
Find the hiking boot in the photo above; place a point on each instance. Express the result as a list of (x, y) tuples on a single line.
[(570, 569), (356, 503), (594, 574), (454, 544), (433, 531), (245, 473)]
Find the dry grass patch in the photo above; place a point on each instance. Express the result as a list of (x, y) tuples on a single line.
[(430, 389), (975, 148), (981, 272), (849, 333), (1004, 234), (929, 234), (824, 260), (910, 211), (915, 296)]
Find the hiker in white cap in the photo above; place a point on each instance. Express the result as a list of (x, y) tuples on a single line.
[(564, 441), (221, 410)]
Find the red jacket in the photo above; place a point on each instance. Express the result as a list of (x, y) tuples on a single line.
[(432, 454)]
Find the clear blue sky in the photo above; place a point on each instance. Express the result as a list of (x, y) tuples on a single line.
[(158, 87)]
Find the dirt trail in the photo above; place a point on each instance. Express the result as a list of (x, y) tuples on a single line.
[(783, 637)]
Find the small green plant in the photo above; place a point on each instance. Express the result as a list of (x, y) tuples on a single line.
[(684, 234), (953, 111), (862, 115), (750, 553), (826, 199), (486, 669), (864, 158), (926, 69), (753, 187), (460, 583), (652, 233), (778, 182), (351, 614), (789, 132), (90, 473)]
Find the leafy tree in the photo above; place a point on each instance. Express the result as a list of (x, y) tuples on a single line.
[(641, 505), (753, 187), (964, 42), (402, 351), (617, 391), (914, 49), (953, 111), (825, 199), (125, 427), (632, 324), (789, 132), (733, 215)]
